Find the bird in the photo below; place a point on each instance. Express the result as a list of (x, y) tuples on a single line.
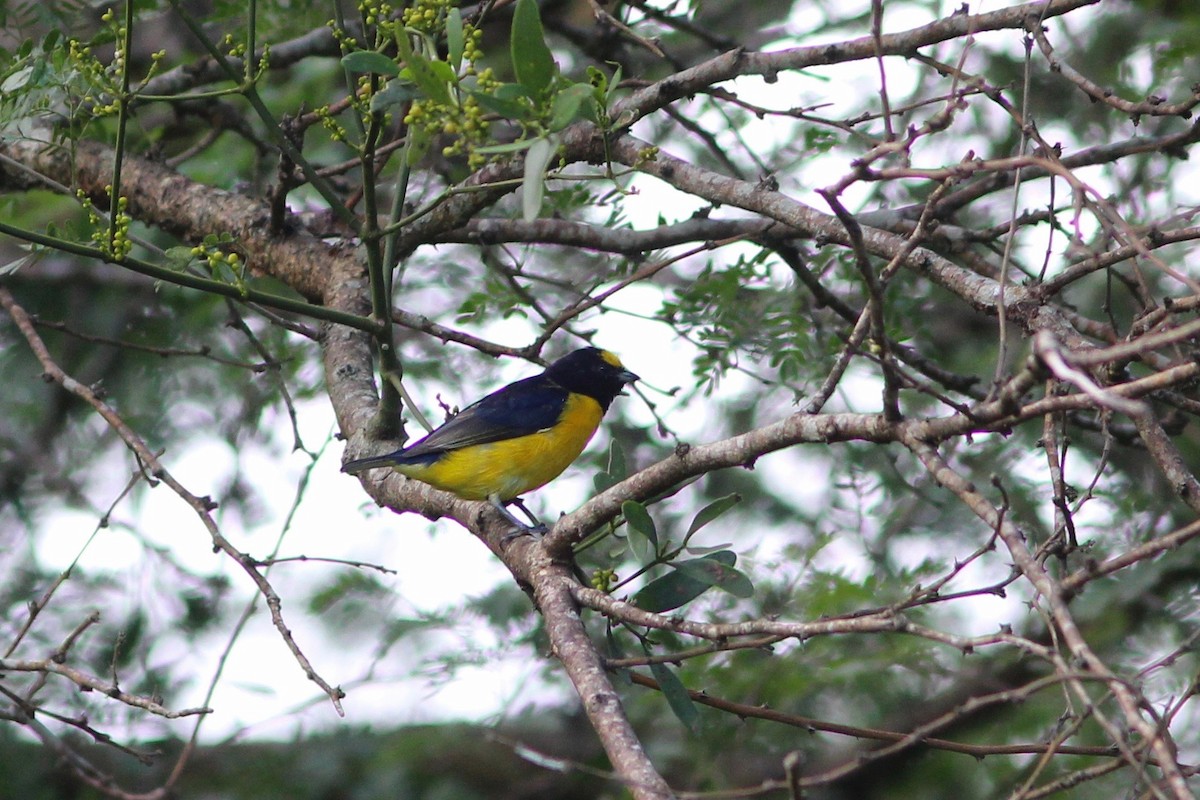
[(516, 439)]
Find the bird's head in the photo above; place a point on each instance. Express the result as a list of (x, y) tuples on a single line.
[(597, 373)]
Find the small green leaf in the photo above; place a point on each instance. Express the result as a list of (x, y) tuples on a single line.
[(533, 63), (620, 676), (676, 694), (602, 481), (16, 264), (498, 104), (715, 573), (17, 80), (616, 462), (370, 61), (614, 473), (640, 546), (422, 72), (640, 521), (454, 37), (443, 72), (642, 535), (613, 83), (711, 511), (572, 104), (597, 79), (178, 258), (405, 626), (418, 144), (533, 184), (678, 587), (513, 92), (256, 688), (396, 93), (348, 587), (703, 551), (507, 147)]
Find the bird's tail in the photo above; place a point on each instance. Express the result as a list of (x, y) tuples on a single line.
[(361, 464)]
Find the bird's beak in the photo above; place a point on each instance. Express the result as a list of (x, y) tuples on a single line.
[(627, 377)]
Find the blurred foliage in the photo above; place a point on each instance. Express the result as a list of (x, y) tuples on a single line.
[(439, 761)]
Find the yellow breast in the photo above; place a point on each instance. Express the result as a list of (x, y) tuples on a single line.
[(513, 467)]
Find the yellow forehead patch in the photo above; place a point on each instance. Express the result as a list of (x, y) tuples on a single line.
[(611, 359)]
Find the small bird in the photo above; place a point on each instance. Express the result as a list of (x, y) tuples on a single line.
[(518, 438)]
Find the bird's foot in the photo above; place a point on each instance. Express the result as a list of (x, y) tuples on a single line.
[(537, 530)]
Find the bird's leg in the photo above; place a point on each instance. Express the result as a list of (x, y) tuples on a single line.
[(537, 529), (537, 523)]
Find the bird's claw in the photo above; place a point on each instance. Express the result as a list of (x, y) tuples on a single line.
[(536, 531)]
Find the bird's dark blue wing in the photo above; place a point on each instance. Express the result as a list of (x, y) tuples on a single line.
[(518, 409)]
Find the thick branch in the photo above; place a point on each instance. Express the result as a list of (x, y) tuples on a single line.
[(551, 588), (185, 208), (568, 233)]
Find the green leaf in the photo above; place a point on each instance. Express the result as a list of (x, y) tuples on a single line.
[(264, 689), (615, 472), (722, 576), (613, 83), (640, 521), (178, 258), (602, 481), (678, 587), (497, 103), (17, 80), (443, 72), (370, 61), (406, 626), (703, 551), (454, 37), (349, 586), (507, 147), (17, 263), (418, 144), (616, 462), (574, 103), (423, 73), (619, 676), (597, 79), (641, 530), (533, 184), (533, 63), (676, 694), (396, 93), (711, 511), (514, 92)]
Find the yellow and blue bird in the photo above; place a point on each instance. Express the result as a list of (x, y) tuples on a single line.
[(518, 438)]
